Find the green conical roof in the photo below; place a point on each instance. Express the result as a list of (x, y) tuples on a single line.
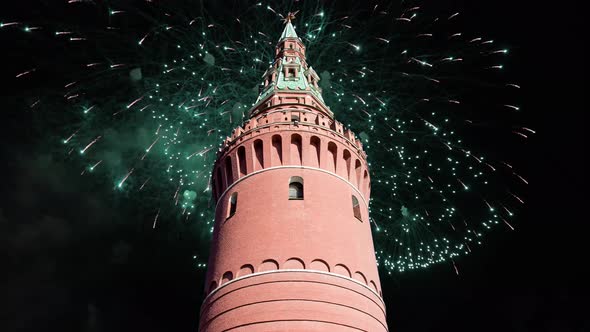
[(289, 32)]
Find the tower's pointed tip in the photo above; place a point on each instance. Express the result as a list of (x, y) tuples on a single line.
[(289, 31)]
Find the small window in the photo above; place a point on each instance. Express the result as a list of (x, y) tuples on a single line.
[(233, 204), (356, 208), (290, 72), (295, 118), (296, 187)]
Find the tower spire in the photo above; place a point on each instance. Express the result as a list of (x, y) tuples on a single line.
[(290, 76)]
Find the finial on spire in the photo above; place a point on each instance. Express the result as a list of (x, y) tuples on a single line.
[(289, 31), (290, 17)]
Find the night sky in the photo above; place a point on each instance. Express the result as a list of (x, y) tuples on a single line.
[(77, 258)]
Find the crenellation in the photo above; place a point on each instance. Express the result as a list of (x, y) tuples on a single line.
[(302, 118)]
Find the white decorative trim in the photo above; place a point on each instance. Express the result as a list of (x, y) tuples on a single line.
[(222, 196), (294, 270)]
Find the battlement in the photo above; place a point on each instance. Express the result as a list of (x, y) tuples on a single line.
[(294, 117)]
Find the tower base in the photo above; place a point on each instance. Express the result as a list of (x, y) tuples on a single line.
[(293, 300)]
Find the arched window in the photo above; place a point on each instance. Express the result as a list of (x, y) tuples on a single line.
[(356, 208), (347, 159), (229, 177), (296, 149), (276, 154), (242, 160), (331, 160), (296, 187), (314, 155), (259, 155), (357, 168), (233, 204)]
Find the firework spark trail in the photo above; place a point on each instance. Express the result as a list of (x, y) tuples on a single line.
[(90, 144), (506, 209), (489, 205), (452, 227), (35, 103), (143, 38), (423, 63), (134, 102), (71, 136), (2, 25), (200, 153), (521, 178), (24, 73), (506, 164), (463, 184), (125, 178), (508, 224), (156, 219), (150, 147), (517, 198), (356, 47), (144, 183), (520, 134), (95, 165), (361, 99), (455, 266)]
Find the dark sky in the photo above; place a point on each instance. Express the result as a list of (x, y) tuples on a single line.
[(73, 261)]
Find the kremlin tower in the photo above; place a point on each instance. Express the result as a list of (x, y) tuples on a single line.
[(292, 248)]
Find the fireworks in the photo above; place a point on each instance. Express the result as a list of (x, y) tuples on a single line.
[(150, 90)]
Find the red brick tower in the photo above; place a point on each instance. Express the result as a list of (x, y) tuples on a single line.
[(292, 247)]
